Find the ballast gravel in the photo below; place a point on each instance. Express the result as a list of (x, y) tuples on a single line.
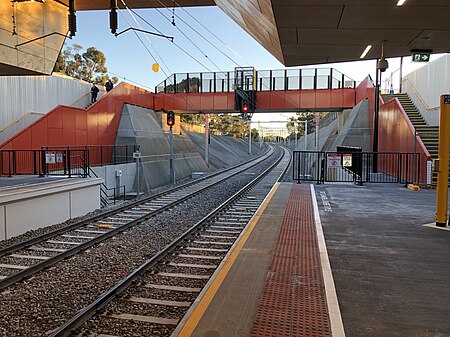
[(38, 305)]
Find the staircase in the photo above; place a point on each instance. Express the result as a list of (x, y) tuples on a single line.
[(428, 134)]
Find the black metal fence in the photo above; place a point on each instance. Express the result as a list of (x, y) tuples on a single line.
[(65, 161), (264, 80), (100, 155), (359, 168), (68, 162)]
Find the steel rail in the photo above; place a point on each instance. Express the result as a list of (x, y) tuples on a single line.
[(22, 274), (24, 244), (84, 314)]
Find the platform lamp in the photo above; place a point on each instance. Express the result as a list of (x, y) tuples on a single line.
[(382, 66)]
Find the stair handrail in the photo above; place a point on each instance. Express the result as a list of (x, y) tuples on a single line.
[(412, 127), (103, 186), (418, 94), (19, 119)]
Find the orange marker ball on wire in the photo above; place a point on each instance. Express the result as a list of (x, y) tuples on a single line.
[(155, 67)]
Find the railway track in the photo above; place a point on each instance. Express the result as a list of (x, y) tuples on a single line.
[(27, 258), (154, 298)]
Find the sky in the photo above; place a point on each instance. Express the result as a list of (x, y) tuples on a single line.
[(131, 60)]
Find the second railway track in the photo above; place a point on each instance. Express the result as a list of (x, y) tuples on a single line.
[(154, 298), (45, 301), (31, 256)]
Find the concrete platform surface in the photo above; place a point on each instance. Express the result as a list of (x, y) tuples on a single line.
[(19, 180), (390, 271)]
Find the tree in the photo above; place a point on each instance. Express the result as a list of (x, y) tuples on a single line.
[(88, 66), (255, 135), (225, 124)]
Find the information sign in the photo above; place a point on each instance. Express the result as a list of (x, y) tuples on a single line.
[(421, 56), (446, 99), (50, 158), (333, 160), (347, 160), (59, 158)]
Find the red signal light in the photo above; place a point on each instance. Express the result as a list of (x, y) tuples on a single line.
[(170, 118), (245, 108)]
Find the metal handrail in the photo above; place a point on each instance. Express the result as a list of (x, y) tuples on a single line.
[(418, 95)]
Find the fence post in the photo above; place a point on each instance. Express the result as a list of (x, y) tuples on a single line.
[(68, 162), (407, 169), (318, 168), (43, 163), (14, 162), (9, 163), (101, 155)]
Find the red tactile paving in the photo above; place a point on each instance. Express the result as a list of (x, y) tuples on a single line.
[(293, 301)]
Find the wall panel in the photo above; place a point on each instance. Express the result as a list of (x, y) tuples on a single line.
[(69, 126)]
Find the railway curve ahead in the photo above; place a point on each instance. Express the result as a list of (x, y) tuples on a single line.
[(40, 304)]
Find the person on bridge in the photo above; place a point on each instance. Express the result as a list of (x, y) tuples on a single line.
[(94, 92), (109, 85)]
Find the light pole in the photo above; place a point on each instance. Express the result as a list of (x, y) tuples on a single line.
[(305, 133)]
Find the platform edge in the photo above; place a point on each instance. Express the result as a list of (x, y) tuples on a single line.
[(337, 327)]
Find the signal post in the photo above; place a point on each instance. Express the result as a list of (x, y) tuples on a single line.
[(171, 123)]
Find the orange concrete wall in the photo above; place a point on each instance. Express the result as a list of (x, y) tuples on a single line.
[(69, 126), (396, 134)]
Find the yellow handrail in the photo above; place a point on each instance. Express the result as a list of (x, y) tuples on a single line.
[(20, 118), (79, 99), (417, 93)]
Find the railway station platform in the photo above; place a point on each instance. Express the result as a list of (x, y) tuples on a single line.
[(332, 260), (30, 202)]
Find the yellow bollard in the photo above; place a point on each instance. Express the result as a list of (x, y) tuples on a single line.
[(442, 185)]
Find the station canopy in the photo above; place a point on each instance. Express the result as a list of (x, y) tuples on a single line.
[(303, 32)]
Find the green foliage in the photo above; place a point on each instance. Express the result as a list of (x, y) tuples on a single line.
[(88, 66), (224, 124), (255, 135), (194, 85)]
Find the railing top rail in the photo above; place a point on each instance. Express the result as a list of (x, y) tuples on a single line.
[(172, 80)]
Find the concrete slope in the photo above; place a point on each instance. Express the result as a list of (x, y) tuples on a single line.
[(140, 126), (224, 150), (353, 129)]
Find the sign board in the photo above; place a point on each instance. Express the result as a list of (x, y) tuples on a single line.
[(50, 158), (446, 99), (333, 160), (347, 160), (136, 155), (59, 158), (421, 56)]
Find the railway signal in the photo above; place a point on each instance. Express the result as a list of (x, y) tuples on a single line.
[(170, 118)]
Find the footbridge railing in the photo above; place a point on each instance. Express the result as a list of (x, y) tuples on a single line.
[(265, 80)]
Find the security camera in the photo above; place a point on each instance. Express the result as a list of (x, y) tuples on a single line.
[(382, 65)]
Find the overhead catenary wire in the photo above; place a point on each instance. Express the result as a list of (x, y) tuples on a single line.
[(190, 40), (211, 32), (148, 40), (173, 42), (202, 36), (127, 79), (142, 42)]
